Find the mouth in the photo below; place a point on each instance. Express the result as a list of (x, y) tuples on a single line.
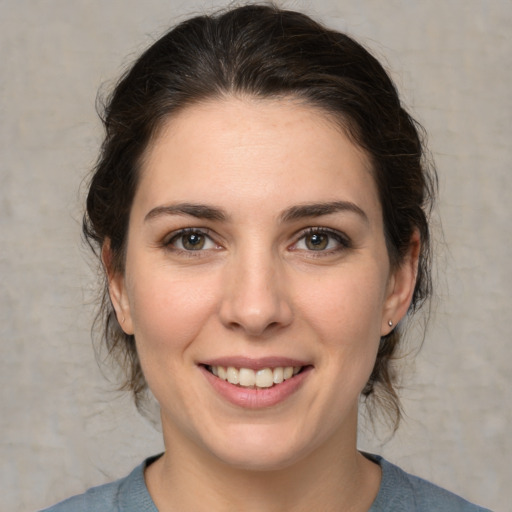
[(263, 378), (256, 383)]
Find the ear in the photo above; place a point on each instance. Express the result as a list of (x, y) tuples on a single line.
[(402, 282), (117, 289)]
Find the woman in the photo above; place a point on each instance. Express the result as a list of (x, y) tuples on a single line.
[(260, 208)]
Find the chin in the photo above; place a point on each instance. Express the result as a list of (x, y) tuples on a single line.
[(260, 450), (259, 460)]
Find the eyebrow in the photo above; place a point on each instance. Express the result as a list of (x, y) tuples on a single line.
[(319, 209), (294, 213), (201, 211)]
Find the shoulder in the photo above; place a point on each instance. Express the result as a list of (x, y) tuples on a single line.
[(103, 497), (400, 491), (128, 494)]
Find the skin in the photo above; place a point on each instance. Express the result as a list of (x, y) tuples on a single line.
[(258, 287)]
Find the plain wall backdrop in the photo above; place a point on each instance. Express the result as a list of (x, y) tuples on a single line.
[(63, 427)]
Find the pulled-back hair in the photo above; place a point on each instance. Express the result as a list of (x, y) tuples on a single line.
[(264, 52)]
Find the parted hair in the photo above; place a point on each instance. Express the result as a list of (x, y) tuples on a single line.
[(264, 52)]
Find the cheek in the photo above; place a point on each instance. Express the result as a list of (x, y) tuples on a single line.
[(167, 313), (346, 308), (345, 313)]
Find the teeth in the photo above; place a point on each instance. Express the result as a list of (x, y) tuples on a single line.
[(233, 375), (264, 378), (248, 378), (278, 375)]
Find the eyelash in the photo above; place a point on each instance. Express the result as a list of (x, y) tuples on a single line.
[(340, 238), (342, 241), (169, 242)]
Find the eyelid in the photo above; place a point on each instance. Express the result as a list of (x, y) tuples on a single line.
[(184, 231), (167, 241), (341, 238), (344, 242)]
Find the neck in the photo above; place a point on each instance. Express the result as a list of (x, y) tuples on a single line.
[(334, 477)]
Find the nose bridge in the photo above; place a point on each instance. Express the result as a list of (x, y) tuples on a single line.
[(255, 298)]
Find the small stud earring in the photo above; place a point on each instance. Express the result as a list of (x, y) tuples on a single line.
[(390, 323)]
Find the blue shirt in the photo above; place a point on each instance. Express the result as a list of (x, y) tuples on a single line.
[(398, 492)]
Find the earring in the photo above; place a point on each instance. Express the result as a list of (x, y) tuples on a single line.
[(390, 323)]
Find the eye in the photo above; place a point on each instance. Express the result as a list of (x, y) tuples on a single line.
[(191, 240), (321, 240)]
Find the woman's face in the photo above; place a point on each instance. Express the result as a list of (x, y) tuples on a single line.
[(256, 249)]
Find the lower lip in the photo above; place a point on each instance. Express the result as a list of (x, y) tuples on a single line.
[(256, 398)]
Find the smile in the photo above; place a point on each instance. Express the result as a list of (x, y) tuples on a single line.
[(249, 378), (256, 383)]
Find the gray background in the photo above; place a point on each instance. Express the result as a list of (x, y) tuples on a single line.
[(63, 428)]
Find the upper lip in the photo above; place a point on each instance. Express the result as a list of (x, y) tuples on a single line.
[(254, 363)]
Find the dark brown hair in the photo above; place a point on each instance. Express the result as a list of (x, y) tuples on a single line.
[(266, 52)]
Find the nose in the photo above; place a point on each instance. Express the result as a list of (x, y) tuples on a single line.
[(256, 297)]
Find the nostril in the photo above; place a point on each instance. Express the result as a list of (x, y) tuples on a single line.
[(255, 307), (254, 329)]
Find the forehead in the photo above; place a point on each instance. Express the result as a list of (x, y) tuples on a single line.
[(252, 149)]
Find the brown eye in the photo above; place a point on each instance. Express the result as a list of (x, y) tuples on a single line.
[(316, 241), (322, 240), (193, 241), (190, 240)]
